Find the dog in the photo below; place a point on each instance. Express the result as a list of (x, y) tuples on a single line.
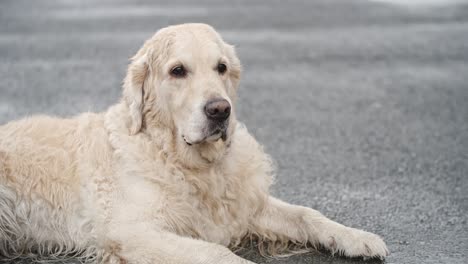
[(166, 175)]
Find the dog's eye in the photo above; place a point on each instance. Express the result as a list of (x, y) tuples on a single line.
[(178, 71), (222, 68)]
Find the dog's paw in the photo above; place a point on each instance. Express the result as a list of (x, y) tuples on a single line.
[(357, 243)]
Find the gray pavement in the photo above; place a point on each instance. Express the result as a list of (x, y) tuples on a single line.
[(364, 105)]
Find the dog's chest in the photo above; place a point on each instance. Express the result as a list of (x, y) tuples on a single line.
[(211, 206), (214, 204)]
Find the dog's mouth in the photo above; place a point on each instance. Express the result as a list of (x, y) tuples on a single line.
[(215, 135)]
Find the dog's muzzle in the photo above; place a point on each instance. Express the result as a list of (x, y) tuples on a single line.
[(217, 112)]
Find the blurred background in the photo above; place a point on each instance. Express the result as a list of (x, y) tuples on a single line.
[(363, 104)]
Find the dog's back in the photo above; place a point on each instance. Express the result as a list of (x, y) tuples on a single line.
[(40, 186)]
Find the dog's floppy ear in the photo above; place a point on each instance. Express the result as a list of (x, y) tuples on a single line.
[(236, 68), (133, 90)]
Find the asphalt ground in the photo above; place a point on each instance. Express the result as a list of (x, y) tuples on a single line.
[(363, 105)]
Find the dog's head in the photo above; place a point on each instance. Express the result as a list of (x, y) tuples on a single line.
[(185, 78)]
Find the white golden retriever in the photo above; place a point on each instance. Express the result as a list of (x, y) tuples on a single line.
[(167, 175)]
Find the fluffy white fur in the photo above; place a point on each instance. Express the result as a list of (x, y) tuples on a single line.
[(125, 186)]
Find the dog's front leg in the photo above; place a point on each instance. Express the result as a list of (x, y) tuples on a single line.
[(140, 244), (280, 220)]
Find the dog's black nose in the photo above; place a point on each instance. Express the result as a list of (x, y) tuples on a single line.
[(218, 109)]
